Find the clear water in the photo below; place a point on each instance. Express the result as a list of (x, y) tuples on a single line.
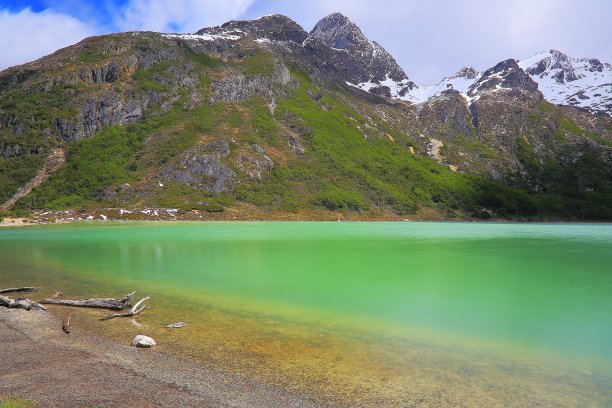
[(524, 296)]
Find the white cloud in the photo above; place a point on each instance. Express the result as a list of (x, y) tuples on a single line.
[(178, 15), (28, 35)]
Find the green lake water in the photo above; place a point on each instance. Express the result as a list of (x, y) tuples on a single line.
[(504, 303)]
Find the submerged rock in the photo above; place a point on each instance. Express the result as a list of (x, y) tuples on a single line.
[(143, 341), (176, 325)]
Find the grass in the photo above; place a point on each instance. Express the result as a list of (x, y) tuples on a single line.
[(12, 401), (151, 79)]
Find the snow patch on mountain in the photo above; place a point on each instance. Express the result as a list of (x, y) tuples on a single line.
[(397, 89), (232, 35), (563, 80)]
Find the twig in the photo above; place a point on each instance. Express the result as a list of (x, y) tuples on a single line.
[(133, 312), (66, 323)]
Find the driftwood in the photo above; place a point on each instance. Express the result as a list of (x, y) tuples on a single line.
[(20, 303), (101, 303), (66, 323), (133, 312), (23, 289)]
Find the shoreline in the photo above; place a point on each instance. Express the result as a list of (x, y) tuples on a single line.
[(169, 215), (46, 366)]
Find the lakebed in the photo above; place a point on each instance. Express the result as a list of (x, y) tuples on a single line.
[(351, 314)]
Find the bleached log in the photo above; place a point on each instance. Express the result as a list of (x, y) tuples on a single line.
[(101, 303), (20, 303), (5, 301), (133, 312)]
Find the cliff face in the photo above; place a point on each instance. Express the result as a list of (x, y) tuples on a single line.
[(265, 114)]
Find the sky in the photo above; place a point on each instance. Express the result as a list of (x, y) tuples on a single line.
[(430, 39)]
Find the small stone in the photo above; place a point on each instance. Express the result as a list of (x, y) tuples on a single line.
[(176, 325), (143, 341)]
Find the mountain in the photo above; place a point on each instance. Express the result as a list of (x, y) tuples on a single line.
[(355, 59), (262, 119), (563, 80)]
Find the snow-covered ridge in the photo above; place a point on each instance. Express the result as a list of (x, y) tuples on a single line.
[(232, 35), (406, 90), (563, 80), (397, 89)]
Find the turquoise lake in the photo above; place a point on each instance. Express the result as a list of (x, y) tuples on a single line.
[(518, 305)]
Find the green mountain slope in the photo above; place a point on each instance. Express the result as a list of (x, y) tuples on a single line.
[(151, 121)]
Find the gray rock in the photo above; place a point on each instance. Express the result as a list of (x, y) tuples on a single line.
[(295, 145), (255, 165), (176, 325), (143, 341), (201, 167), (506, 74), (236, 87), (274, 27)]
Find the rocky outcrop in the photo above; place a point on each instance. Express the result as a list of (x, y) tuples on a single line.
[(505, 75), (201, 167), (255, 164), (109, 109), (273, 27), (237, 87)]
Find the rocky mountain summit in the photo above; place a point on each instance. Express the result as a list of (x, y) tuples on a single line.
[(358, 61), (264, 117), (564, 80), (581, 82)]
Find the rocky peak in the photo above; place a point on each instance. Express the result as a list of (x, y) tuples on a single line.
[(555, 64), (506, 74), (274, 27), (354, 59), (465, 72), (564, 80), (337, 31)]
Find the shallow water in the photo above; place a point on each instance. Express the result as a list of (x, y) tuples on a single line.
[(385, 314)]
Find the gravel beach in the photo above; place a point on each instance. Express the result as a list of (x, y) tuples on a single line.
[(41, 363)]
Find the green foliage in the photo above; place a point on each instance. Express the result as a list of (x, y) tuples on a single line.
[(16, 402), (151, 79), (186, 198), (93, 164), (89, 56), (203, 59), (570, 126), (256, 63), (17, 171), (336, 199)]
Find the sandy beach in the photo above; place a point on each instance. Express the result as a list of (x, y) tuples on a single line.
[(42, 364)]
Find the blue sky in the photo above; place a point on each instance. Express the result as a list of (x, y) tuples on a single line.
[(429, 38)]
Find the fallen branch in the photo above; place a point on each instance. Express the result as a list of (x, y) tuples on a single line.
[(133, 312), (23, 289), (101, 303), (66, 323), (20, 303)]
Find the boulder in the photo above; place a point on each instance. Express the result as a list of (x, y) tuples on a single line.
[(143, 341)]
